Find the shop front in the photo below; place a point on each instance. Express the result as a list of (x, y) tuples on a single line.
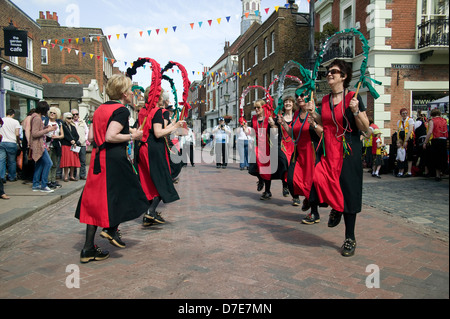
[(20, 95)]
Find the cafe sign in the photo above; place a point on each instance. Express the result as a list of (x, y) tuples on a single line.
[(16, 42)]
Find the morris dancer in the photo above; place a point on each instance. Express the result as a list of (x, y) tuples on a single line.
[(305, 133), (338, 176), (260, 164), (154, 163), (112, 194)]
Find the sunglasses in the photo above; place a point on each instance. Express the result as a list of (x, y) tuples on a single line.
[(69, 118), (75, 114), (51, 113), (335, 71)]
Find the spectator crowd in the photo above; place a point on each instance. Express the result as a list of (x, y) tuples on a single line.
[(46, 147)]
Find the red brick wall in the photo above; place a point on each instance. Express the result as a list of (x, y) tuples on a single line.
[(22, 22), (403, 24)]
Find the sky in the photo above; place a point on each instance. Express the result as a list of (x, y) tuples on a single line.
[(193, 46)]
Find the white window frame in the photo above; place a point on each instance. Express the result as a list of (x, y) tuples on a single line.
[(255, 54), (44, 55), (272, 36), (29, 58)]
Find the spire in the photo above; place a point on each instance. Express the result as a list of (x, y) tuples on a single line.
[(249, 10)]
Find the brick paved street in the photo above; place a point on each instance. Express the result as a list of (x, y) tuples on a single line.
[(222, 241)]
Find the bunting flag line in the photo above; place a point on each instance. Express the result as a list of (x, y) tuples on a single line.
[(67, 43)]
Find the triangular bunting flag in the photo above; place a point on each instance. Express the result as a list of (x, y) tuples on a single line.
[(276, 8), (69, 49), (76, 52), (257, 12), (76, 40), (165, 30), (286, 5), (98, 57), (91, 55), (228, 19), (62, 41), (53, 45), (70, 40), (192, 26), (200, 24), (118, 36), (157, 31), (109, 37), (149, 31), (125, 35), (246, 14), (98, 38), (84, 39), (209, 21), (174, 28), (61, 48), (218, 20), (56, 41), (140, 33), (84, 54), (113, 60)]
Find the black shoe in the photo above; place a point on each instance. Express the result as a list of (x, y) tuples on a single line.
[(147, 222), (335, 218), (296, 202), (57, 185), (348, 248), (93, 254), (259, 185), (285, 192), (266, 195), (305, 205), (311, 219), (218, 165), (155, 218), (51, 185), (115, 238)]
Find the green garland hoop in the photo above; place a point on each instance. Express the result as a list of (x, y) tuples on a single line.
[(308, 84), (364, 80), (174, 92)]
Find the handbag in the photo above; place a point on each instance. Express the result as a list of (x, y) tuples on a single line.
[(75, 149), (19, 160)]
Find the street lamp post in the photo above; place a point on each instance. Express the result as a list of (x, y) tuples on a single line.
[(309, 17)]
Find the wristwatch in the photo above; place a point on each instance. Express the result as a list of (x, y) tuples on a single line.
[(356, 113)]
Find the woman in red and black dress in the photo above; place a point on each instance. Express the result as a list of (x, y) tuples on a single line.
[(305, 133), (286, 141), (264, 160), (338, 176), (154, 161), (112, 194)]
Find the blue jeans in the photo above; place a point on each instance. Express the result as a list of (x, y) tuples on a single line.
[(41, 170), (8, 154), (243, 153)]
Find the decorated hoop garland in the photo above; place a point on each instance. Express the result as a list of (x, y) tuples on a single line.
[(364, 80), (174, 92), (268, 107), (186, 84), (155, 89), (286, 68)]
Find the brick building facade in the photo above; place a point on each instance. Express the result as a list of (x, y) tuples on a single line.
[(21, 76), (76, 65), (270, 46)]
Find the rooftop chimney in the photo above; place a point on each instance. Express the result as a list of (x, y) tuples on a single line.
[(48, 19)]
